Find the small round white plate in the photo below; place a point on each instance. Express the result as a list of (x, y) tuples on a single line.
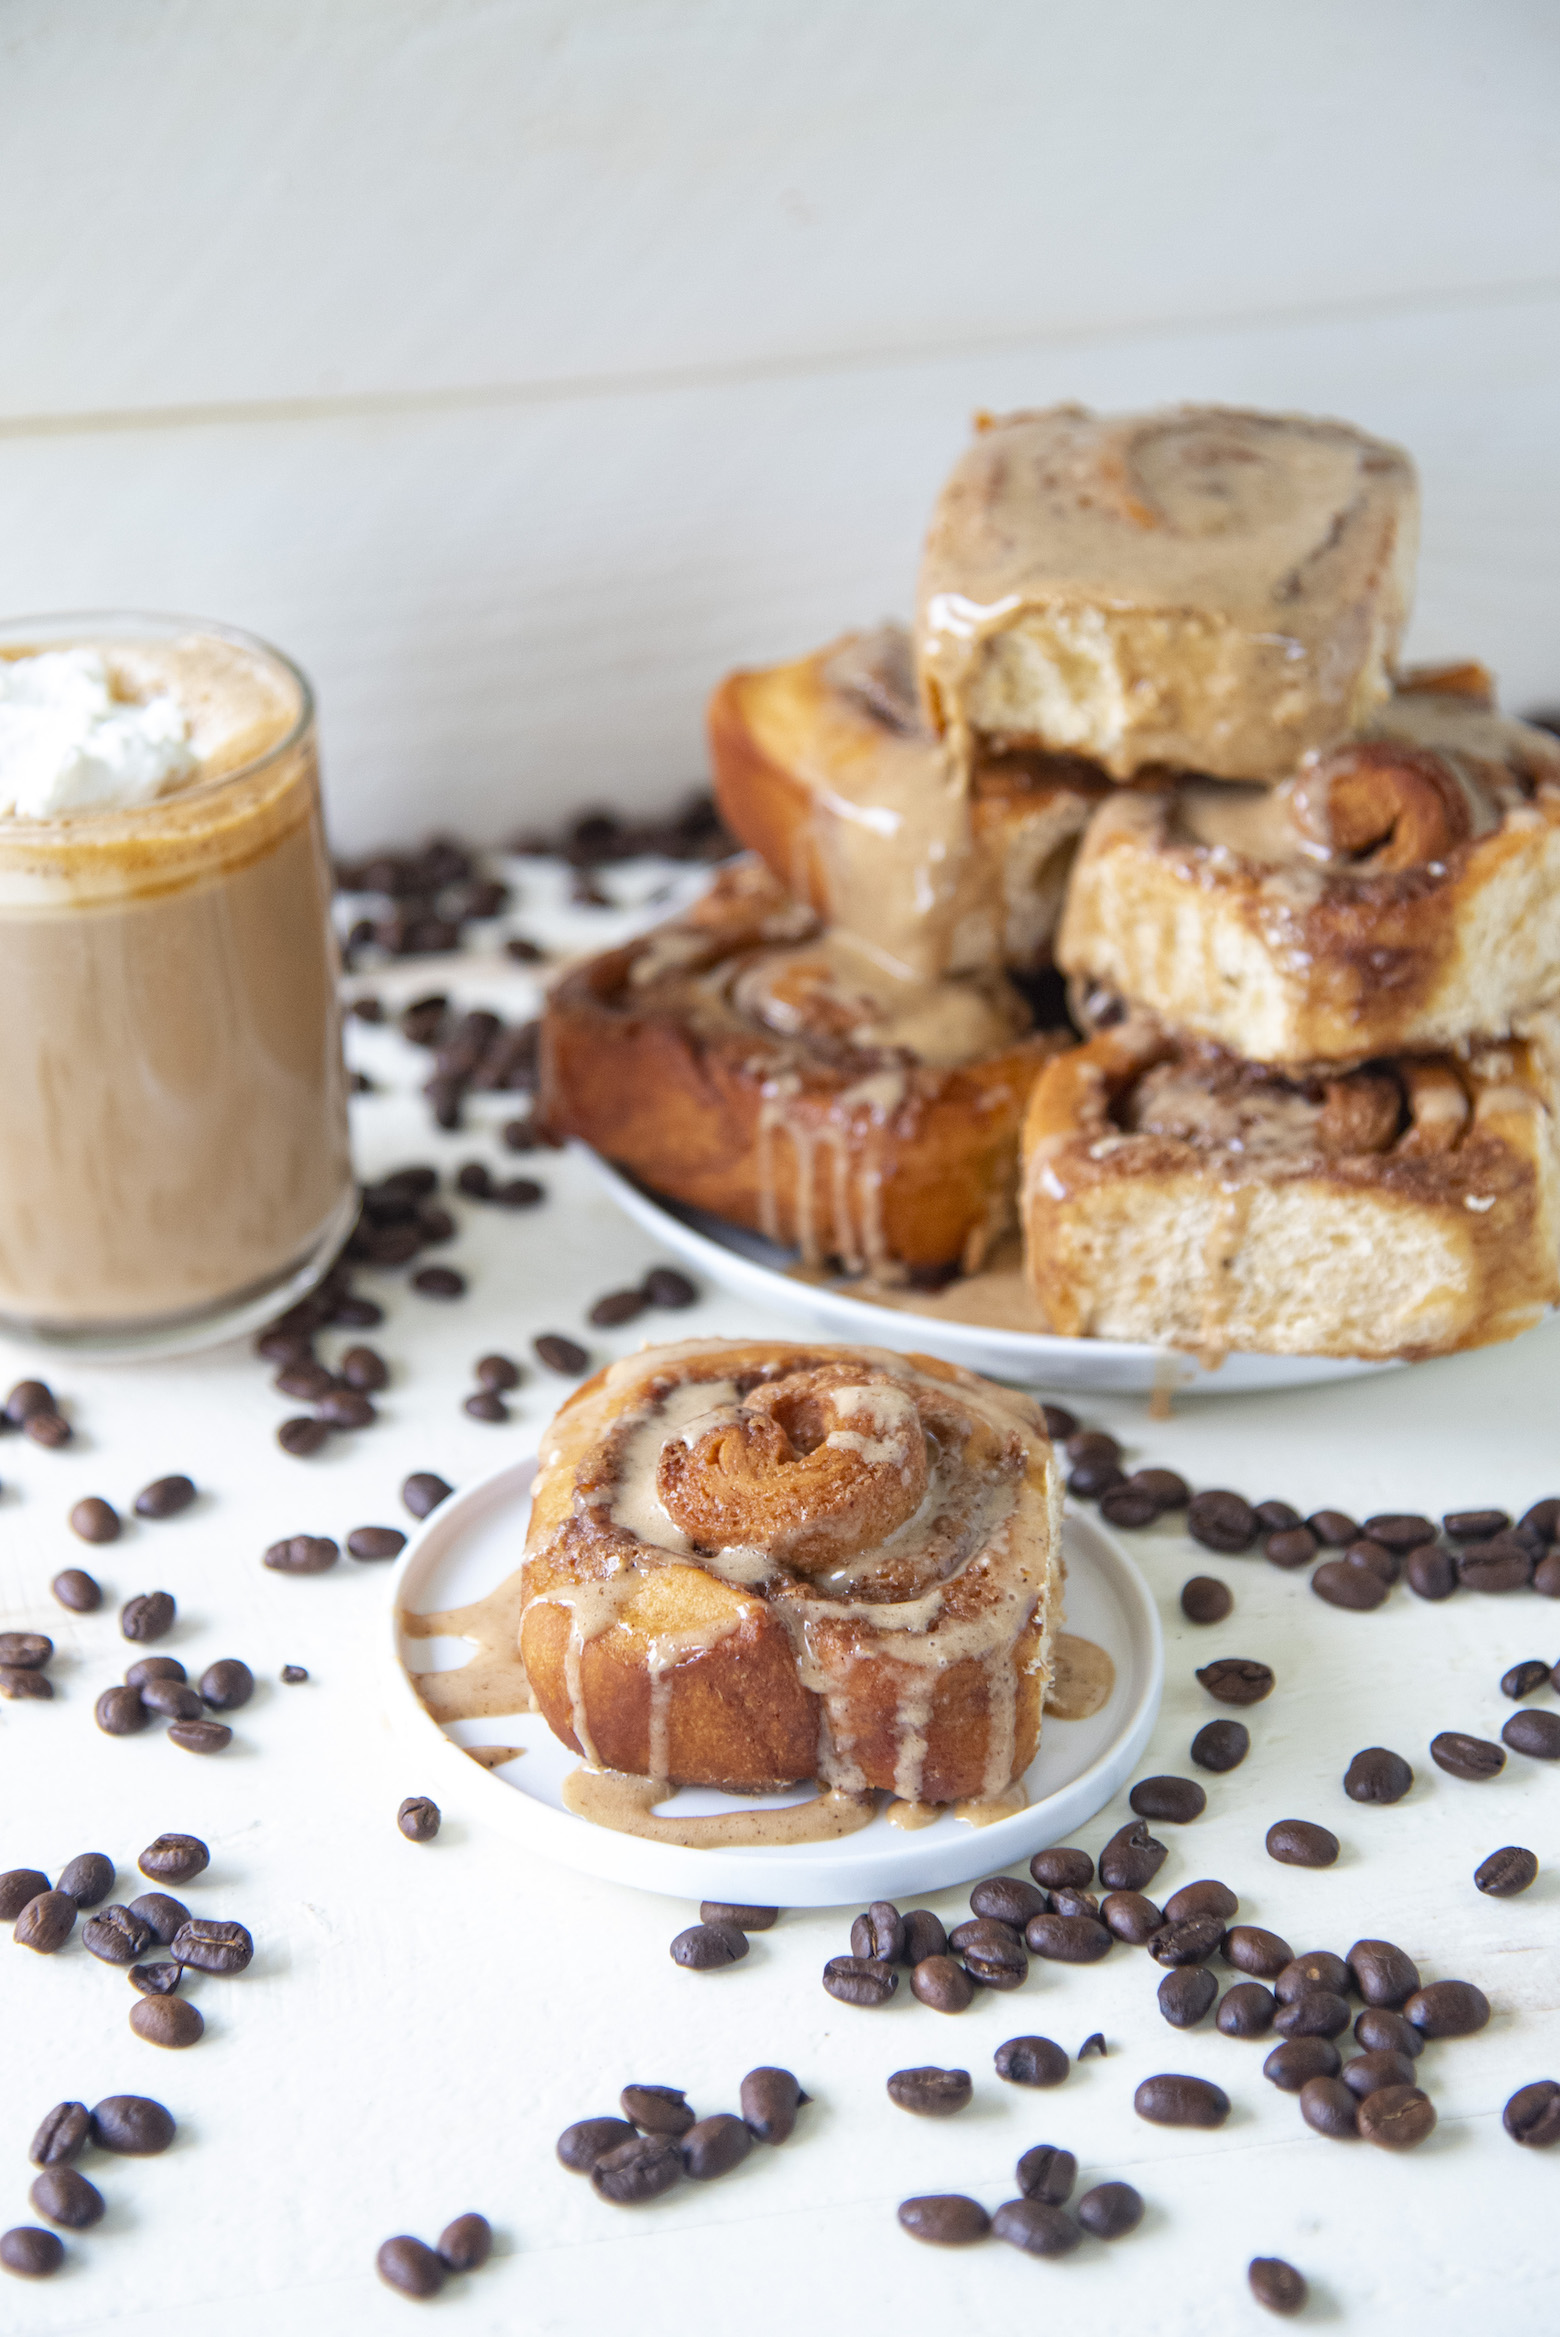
[(474, 1541), (753, 1268)]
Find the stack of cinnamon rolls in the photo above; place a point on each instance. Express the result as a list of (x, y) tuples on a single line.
[(1135, 898)]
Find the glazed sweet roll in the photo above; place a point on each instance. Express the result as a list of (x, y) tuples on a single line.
[(752, 1563)]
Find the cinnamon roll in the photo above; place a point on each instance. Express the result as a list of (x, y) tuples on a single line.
[(1173, 1193), (1399, 892), (1204, 588), (752, 1562), (746, 1061)]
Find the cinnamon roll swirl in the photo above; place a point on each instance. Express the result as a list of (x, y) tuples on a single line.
[(752, 1563)]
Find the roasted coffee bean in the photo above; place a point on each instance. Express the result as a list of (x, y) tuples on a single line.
[(1060, 1424), (1506, 1872), (466, 2244), (994, 1955), (1304, 1975), (1535, 1733), (147, 1668), (560, 1354), (1186, 1995), (1546, 1576), (1048, 2174), (618, 1306), (1525, 1679), (119, 1712), (370, 1543), (581, 2145), (1236, 1679), (1377, 1775), (1543, 1519), (1164, 1487), (345, 1408), (1397, 1532), (1276, 2285), (1008, 1900), (941, 1983), (1093, 1475), (1291, 1546), (859, 1981), (1030, 2061), (1297, 1842), (419, 1818), (1382, 1973), (365, 1370), (714, 2146), (302, 1437), (62, 2137), (638, 2171), (1343, 1584), (1062, 1869), (1431, 1573), (1261, 1954), (1110, 2211), (1222, 1521), (1472, 1758), (1123, 1506), (292, 1673), (770, 2099), (162, 1915), (1494, 1566), (1189, 1940), (1375, 1560), (1067, 1939), (475, 1179), (972, 1930), (1367, 2073), (485, 1405), (1175, 1799), (1038, 2229), (1400, 2117), (302, 1554), (23, 1687), (1447, 2008), (1328, 2107), (1204, 1599), (1128, 1916), (1381, 2030), (50, 1429), (227, 1685), (164, 1497), (1066, 1902), (409, 2266), (1246, 2010), (305, 1381), (25, 1651), (1085, 1442), (1319, 2013), (932, 2093), (439, 1282), (1201, 1898), (1474, 1525), (1176, 2100), (46, 1922), (739, 1918), (174, 1858), (167, 2020), (200, 1736), (1532, 2116), (115, 1936), (148, 1616), (664, 1286), (27, 1397), (172, 1699), (879, 1934), (1334, 1527), (18, 1887), (423, 1492), (131, 2126), (76, 1590), (64, 2196), (924, 1936), (709, 1947), (212, 1944), (88, 1879), (947, 2219), (160, 1979), (1276, 1517), (1093, 2043), (1294, 2063), (1131, 1858), (30, 2252), (497, 1373)]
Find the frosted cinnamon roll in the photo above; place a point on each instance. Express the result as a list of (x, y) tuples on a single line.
[(1399, 892), (1175, 1194), (747, 1061), (752, 1563)]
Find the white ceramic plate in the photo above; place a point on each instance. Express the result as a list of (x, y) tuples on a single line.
[(473, 1542), (753, 1268)]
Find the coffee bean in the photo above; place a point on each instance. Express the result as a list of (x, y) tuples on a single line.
[(1297, 1842), (1128, 1916), (76, 1590), (50, 1429), (302, 1437), (1191, 1939), (1236, 1679), (1261, 1954), (1448, 2008), (1221, 1745), (172, 1699), (1506, 1872), (1007, 1900), (1060, 1424), (212, 1944), (345, 1408), (116, 1936), (227, 1685), (946, 2219), (306, 1380), (1186, 1995), (581, 2145), (1175, 1799), (1093, 1475), (1123, 1506), (934, 2093), (1334, 1527), (560, 1354), (941, 1983), (879, 1934), (1375, 1560), (1201, 1898), (1222, 1521), (1294, 2063), (1176, 2100), (365, 1370), (200, 1736), (25, 1687), (18, 1886), (1276, 1517), (1398, 1532), (1093, 2043), (858, 1980), (1048, 2174), (709, 1947), (1319, 2013), (64, 2195), (63, 2136), (131, 2126), (1381, 2030), (1494, 1567), (1030, 2224), (1067, 1939), (1474, 1525), (46, 1922), (1276, 2285), (1431, 1573), (657, 2109), (1377, 1775), (1062, 1869), (419, 1818), (1400, 2117), (714, 2146), (423, 1492), (924, 1936), (149, 1616), (167, 2020), (466, 2244), (1087, 1442), (993, 1953), (409, 2266), (1328, 2107), (1110, 2211), (1131, 1858), (1537, 1734), (174, 1858), (439, 1282), (1075, 1903), (1532, 2116), (1473, 1758), (770, 2099), (1543, 1519), (1367, 2073), (161, 1979), (25, 1651), (1204, 1599), (1291, 1546), (32, 2254), (739, 1918), (1525, 1679), (27, 1397), (636, 2172), (1382, 1973), (119, 1712), (1546, 1576), (618, 1306), (162, 1914), (88, 1879), (1352, 1587), (1304, 1975), (1164, 1487), (1246, 2010), (164, 1497), (485, 1405), (147, 1668), (497, 1372), (1031, 2061), (293, 1673)]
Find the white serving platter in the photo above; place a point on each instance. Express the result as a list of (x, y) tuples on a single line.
[(755, 1269), (474, 1541)]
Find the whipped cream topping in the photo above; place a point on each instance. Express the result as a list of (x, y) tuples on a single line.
[(68, 744)]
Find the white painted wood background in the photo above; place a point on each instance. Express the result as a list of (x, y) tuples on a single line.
[(519, 364)]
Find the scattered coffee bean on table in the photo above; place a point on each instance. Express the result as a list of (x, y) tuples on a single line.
[(116, 1936), (88, 1879), (581, 2145), (227, 1685), (560, 1354), (1007, 1900), (1297, 1842), (1074, 1903), (418, 1818), (200, 1736), (1447, 2008), (1221, 1745), (1131, 1858), (131, 2126), (713, 2146), (1205, 1897), (1276, 2285), (370, 1543), (210, 1943), (165, 1497), (1186, 1995), (365, 1370), (345, 1408), (30, 2252), (62, 2137), (664, 1286), (1062, 1869), (439, 1282), (1474, 1759), (1532, 2116), (1190, 1939), (77, 1590), (1382, 1973), (95, 1520), (1506, 1872), (1062, 1939), (1377, 1775), (1537, 1734), (1173, 2099), (155, 1979), (1431, 1573), (466, 2244), (1093, 2044), (617, 1307), (657, 2109), (293, 1674), (1399, 2117), (147, 1668), (638, 2171), (859, 1980), (1305, 1975), (947, 2219), (931, 2092), (485, 1405), (1319, 2013), (941, 1983), (302, 1437), (1237, 1679), (709, 1947), (171, 1699), (879, 1933), (1030, 2224), (174, 1858), (1292, 2065), (1033, 2061), (1343, 1584), (1110, 2211), (1381, 2029), (1290, 1546), (739, 1918), (1222, 1521), (1204, 1599), (1260, 1954), (1246, 2010), (1525, 1679), (423, 1492), (168, 2020), (770, 2099), (119, 1712), (163, 1916), (1047, 2173), (1177, 1800), (1328, 2107), (150, 1615), (46, 1922), (1130, 1917), (409, 2266)]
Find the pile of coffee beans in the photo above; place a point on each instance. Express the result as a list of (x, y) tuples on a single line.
[(602, 838), (157, 1687), (124, 2125), (423, 899), (474, 1053), (1037, 2220), (414, 2269), (660, 2138)]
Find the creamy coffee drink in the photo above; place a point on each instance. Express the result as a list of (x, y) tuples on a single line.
[(173, 1139)]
